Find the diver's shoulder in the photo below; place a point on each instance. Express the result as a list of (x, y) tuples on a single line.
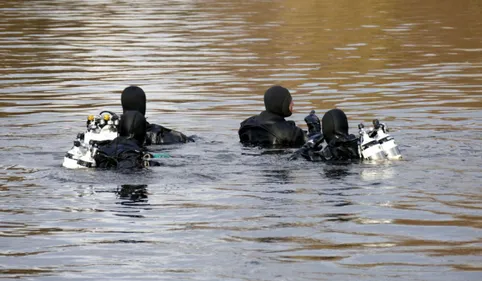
[(156, 127), (250, 120)]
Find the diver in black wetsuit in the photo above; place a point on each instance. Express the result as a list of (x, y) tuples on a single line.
[(339, 145), (126, 152), (134, 98), (269, 128)]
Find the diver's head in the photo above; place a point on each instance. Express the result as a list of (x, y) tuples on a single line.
[(134, 98), (133, 126), (334, 122), (278, 100)]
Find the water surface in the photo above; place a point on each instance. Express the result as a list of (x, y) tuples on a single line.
[(216, 210)]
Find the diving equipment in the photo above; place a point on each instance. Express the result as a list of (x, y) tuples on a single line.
[(373, 144), (369, 148), (101, 128), (313, 123), (386, 141)]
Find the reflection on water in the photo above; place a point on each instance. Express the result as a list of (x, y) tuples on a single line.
[(216, 211), (133, 193)]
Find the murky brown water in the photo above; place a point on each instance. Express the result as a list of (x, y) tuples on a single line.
[(217, 211)]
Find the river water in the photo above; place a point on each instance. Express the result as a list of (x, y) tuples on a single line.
[(216, 210)]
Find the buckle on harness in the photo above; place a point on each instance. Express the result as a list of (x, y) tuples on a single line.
[(146, 159)]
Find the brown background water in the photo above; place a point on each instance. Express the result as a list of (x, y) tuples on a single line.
[(217, 211)]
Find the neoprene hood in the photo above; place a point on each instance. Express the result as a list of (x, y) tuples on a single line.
[(134, 98), (334, 122), (277, 100), (133, 125)]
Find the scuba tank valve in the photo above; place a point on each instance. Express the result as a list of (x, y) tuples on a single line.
[(369, 148), (386, 141)]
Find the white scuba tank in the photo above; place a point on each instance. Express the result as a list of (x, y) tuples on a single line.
[(99, 128), (370, 148), (75, 153), (386, 141)]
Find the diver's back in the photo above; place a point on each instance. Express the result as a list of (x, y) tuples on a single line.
[(256, 135)]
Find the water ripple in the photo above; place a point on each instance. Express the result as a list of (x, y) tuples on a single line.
[(215, 210)]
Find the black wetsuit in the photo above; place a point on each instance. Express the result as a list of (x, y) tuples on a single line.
[(126, 152), (269, 128), (341, 148), (134, 98), (157, 134), (121, 153), (338, 146)]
